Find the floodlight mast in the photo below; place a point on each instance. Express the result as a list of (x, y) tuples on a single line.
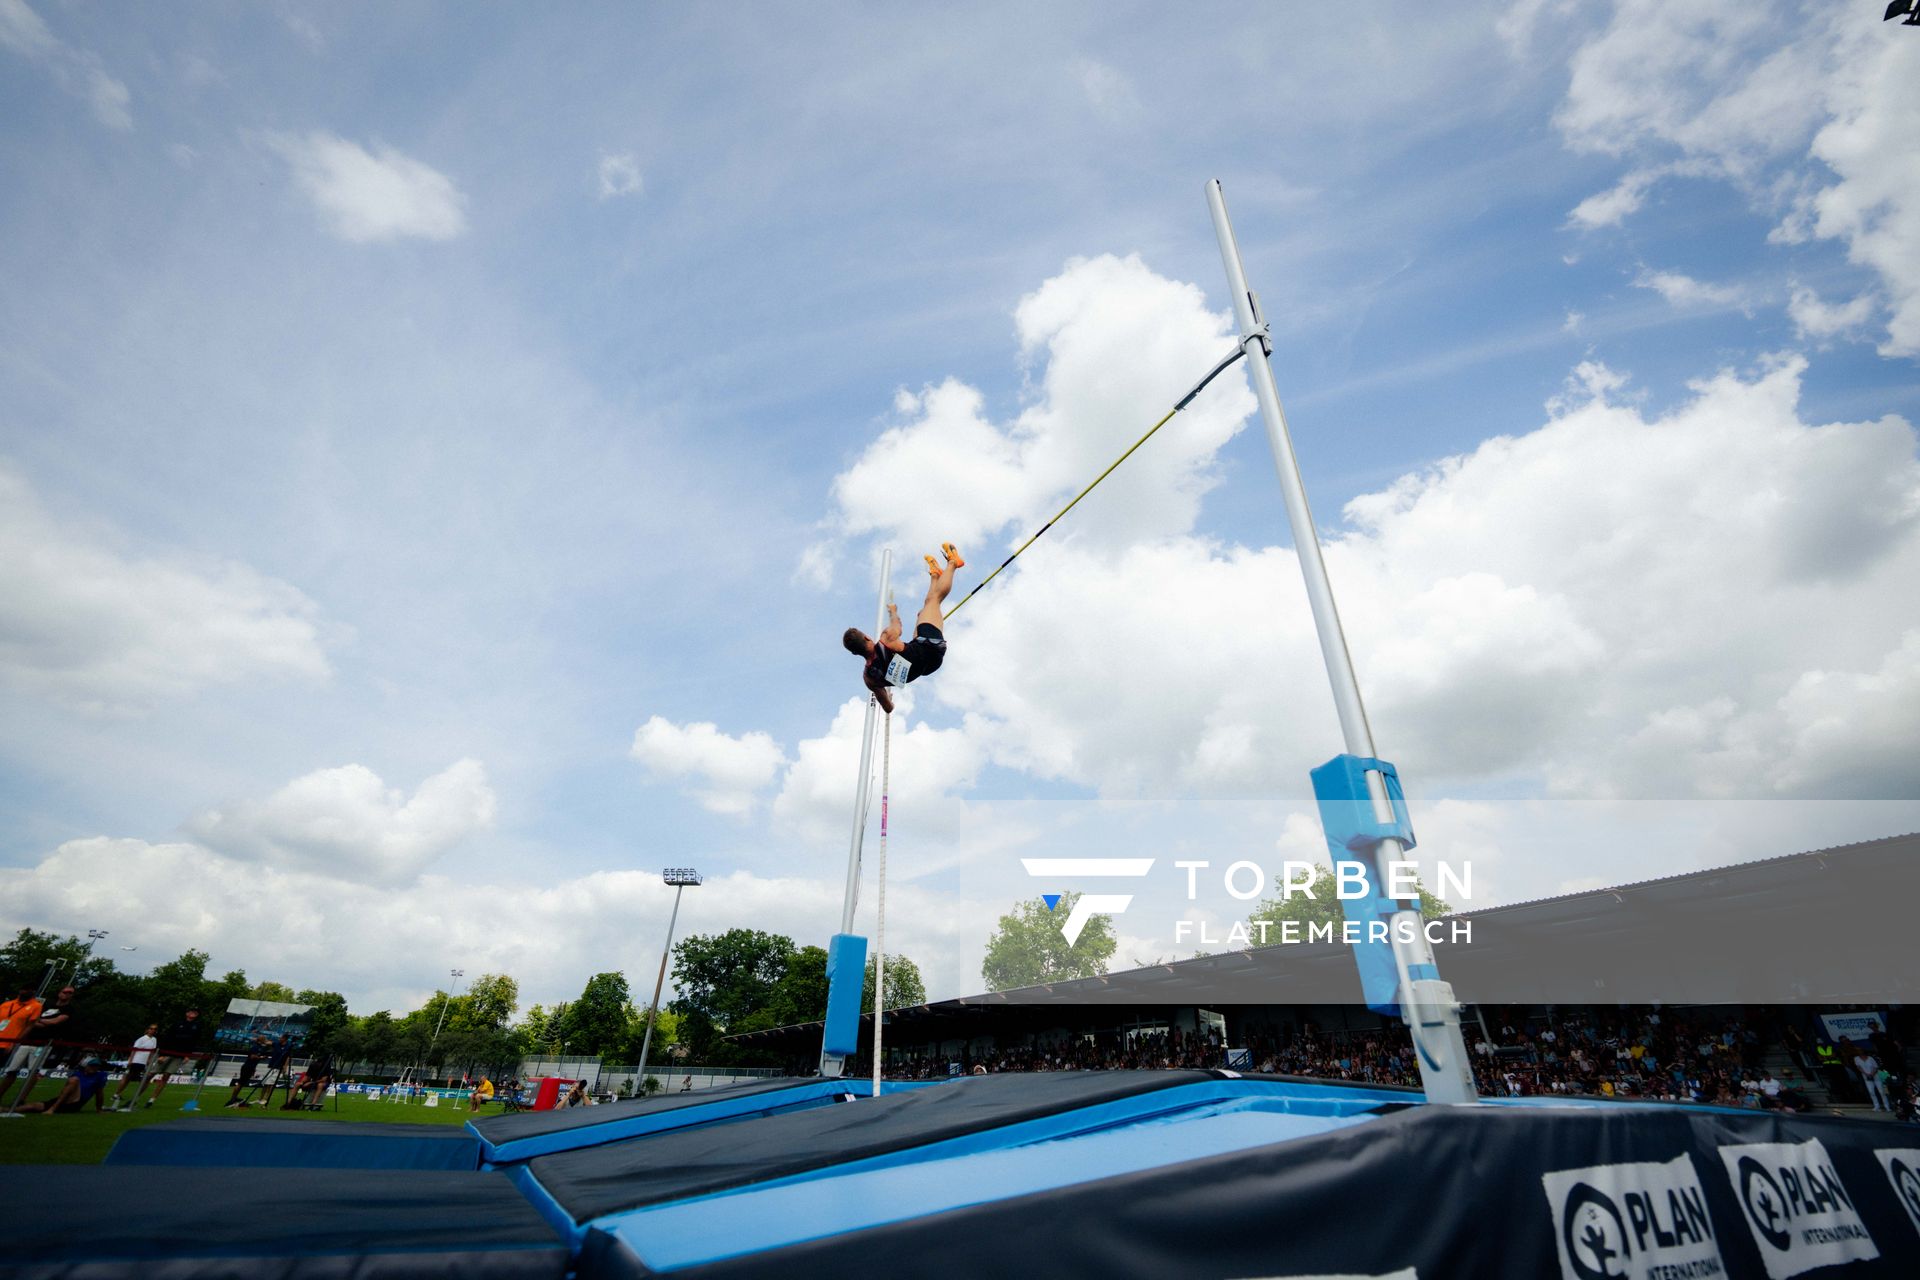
[(1432, 1015), (679, 878)]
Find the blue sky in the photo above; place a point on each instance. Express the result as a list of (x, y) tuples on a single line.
[(415, 426)]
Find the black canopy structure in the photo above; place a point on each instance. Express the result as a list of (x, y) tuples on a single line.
[(1825, 926)]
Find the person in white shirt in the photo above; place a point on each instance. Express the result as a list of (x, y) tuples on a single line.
[(1869, 1068), (143, 1051)]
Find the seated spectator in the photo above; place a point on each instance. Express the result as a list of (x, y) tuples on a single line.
[(305, 1095), (243, 1079), (482, 1094), (576, 1096), (87, 1084)]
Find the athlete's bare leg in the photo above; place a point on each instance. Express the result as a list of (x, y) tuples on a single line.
[(938, 586)]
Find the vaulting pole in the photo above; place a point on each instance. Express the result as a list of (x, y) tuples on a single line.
[(1427, 1003)]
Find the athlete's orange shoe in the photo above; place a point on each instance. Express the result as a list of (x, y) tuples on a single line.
[(953, 556), (933, 567)]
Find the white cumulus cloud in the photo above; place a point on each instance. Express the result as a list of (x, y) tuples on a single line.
[(1814, 317), (727, 773), (92, 625), (619, 176), (346, 822), (386, 945), (78, 71), (1593, 605), (1118, 344), (1612, 207), (1780, 96), (932, 770), (381, 194), (1684, 291)]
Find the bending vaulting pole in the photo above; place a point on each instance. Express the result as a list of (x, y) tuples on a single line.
[(1185, 400), (1441, 1048)]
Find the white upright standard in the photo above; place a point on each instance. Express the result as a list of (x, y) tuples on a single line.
[(833, 1064), (1427, 1004)]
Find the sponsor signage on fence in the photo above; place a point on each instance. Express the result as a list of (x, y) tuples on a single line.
[(1641, 1221), (1800, 1213), (1903, 1171)]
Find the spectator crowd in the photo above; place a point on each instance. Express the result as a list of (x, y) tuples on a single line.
[(1700, 1055)]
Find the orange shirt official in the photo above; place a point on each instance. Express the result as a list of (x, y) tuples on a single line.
[(16, 1019)]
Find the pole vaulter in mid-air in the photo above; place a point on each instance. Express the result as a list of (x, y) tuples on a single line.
[(889, 662)]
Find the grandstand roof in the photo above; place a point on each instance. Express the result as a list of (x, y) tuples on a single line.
[(1827, 925)]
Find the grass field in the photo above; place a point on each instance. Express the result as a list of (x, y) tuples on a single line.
[(87, 1137)]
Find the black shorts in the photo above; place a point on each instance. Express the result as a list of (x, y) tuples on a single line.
[(925, 652)]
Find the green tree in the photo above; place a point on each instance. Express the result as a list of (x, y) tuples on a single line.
[(278, 992), (596, 1023), (702, 1039), (725, 977), (534, 1026), (114, 1009), (1320, 904), (666, 1034), (801, 993), (378, 1039), (904, 984), (330, 1019), (23, 962), (1029, 948), (556, 1025), (491, 1001), (216, 995), (179, 985)]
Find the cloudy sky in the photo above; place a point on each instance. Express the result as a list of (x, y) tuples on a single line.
[(440, 448)]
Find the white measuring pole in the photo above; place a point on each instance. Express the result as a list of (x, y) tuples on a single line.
[(1432, 1015), (880, 903), (866, 763)]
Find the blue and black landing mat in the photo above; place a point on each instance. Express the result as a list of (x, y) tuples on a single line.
[(510, 1139), (685, 1200), (1073, 1174), (76, 1222), (1582, 1192), (298, 1144)]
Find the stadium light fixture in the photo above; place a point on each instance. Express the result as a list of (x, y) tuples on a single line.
[(679, 878), (452, 987)]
